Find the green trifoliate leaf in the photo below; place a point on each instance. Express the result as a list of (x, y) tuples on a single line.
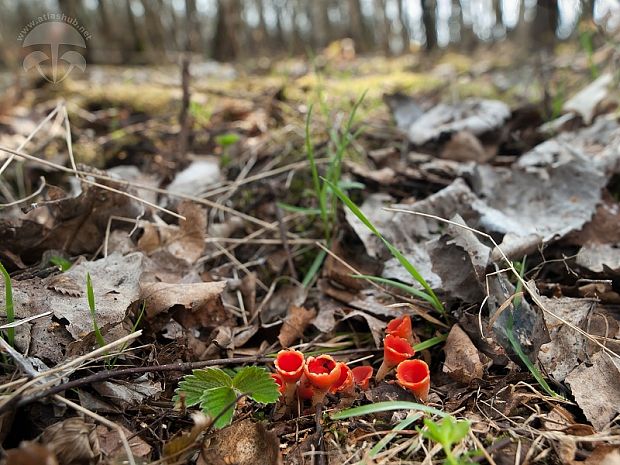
[(219, 402), (194, 385), (257, 383)]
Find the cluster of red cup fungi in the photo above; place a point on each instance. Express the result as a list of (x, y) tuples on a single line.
[(313, 377)]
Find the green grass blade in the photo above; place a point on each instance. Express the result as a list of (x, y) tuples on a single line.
[(433, 341), (386, 407), (8, 304), (90, 294), (403, 287), (314, 268), (386, 440), (516, 346), (313, 168), (393, 250)]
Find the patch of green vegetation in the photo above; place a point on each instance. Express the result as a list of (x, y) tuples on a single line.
[(90, 295), (9, 309), (217, 392), (448, 432), (62, 263)]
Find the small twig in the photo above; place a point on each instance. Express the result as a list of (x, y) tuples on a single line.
[(184, 119), (31, 196), (285, 245), (320, 445), (107, 374)]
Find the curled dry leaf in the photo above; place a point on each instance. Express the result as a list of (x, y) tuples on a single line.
[(160, 297), (462, 362), (112, 446)]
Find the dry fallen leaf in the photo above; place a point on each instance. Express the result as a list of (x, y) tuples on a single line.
[(242, 443), (160, 297), (462, 362), (112, 446), (295, 323), (596, 388)]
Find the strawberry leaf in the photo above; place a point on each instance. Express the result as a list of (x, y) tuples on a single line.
[(219, 402), (194, 385), (257, 384)]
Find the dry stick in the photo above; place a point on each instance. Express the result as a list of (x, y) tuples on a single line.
[(257, 177), (287, 249), (31, 196), (533, 294), (240, 265), (102, 420), (244, 240), (37, 379), (179, 366), (184, 119), (30, 136)]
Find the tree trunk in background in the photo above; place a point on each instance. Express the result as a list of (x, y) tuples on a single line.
[(405, 31), (154, 31), (262, 37), (382, 27), (106, 27), (356, 25), (225, 42), (194, 34), (428, 18), (544, 25), (320, 23)]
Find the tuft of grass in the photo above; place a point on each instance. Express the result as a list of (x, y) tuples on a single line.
[(516, 346), (327, 203), (428, 294), (8, 304), (93, 312)]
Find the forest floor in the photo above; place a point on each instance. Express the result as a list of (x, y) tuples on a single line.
[(156, 222)]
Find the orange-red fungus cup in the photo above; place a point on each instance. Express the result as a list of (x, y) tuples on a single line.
[(290, 365), (415, 376), (362, 375), (395, 350), (401, 327), (344, 383)]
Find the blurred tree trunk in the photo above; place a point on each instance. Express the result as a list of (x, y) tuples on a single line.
[(320, 23), (356, 25), (382, 27), (405, 33), (263, 39), (106, 28), (194, 34), (154, 31), (544, 25), (226, 43), (428, 18)]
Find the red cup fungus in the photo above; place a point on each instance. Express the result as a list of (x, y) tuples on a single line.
[(414, 376), (395, 350)]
